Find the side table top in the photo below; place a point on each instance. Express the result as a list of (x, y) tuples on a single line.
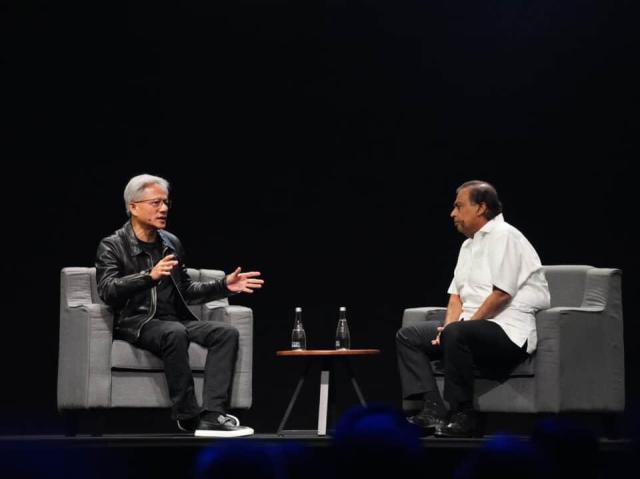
[(328, 352)]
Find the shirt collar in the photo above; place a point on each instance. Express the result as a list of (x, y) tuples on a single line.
[(488, 227)]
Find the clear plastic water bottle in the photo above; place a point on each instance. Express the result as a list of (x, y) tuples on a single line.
[(298, 336), (343, 338)]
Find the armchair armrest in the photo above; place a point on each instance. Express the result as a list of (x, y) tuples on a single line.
[(415, 315), (579, 360), (84, 367), (241, 318)]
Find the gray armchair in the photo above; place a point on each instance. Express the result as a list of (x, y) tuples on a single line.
[(579, 363), (94, 371)]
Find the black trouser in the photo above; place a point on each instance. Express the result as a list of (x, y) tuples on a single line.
[(169, 339), (463, 345)]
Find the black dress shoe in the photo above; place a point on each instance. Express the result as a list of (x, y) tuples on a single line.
[(428, 421), (462, 424)]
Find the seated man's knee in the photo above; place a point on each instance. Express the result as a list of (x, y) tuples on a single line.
[(232, 333), (417, 335), (452, 332), (401, 335), (224, 333), (175, 333), (407, 336)]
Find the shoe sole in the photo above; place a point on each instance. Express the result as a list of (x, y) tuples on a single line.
[(246, 431), (236, 422), (184, 429), (440, 433), (429, 430), (424, 430)]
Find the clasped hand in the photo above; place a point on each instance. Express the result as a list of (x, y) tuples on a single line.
[(436, 342)]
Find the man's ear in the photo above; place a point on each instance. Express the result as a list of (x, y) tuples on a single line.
[(482, 209)]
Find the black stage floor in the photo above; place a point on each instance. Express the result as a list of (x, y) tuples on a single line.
[(176, 455)]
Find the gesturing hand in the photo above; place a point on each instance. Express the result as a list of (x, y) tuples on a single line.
[(238, 282), (163, 267)]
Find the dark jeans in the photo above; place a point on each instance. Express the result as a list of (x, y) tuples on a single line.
[(169, 339), (464, 345)]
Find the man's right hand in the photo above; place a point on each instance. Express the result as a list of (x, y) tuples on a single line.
[(163, 267)]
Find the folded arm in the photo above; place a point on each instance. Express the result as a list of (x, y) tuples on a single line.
[(492, 305)]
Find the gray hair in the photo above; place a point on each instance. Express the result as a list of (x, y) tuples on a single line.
[(136, 186)]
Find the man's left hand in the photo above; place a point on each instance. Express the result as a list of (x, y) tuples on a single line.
[(238, 282)]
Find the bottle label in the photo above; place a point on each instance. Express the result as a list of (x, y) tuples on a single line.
[(295, 345)]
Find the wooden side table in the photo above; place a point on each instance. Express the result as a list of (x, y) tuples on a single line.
[(327, 357)]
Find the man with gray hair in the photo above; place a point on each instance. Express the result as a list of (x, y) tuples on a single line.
[(498, 286), (141, 274)]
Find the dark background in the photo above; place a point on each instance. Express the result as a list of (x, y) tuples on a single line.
[(319, 142)]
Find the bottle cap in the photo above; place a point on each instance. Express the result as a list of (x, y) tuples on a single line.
[(298, 310), (342, 308)]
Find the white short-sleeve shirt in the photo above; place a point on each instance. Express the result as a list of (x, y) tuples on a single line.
[(499, 255)]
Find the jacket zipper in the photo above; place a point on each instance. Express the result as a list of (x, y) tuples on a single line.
[(154, 300)]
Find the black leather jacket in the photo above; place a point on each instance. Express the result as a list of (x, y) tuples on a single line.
[(124, 282)]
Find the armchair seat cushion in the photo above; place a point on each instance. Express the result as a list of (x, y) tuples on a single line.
[(126, 356)]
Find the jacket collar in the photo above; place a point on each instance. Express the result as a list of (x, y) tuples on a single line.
[(133, 240)]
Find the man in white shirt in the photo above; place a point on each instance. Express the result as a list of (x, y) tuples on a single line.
[(498, 286)]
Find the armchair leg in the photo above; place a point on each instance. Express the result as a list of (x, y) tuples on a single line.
[(481, 425), (98, 421), (609, 422), (70, 420)]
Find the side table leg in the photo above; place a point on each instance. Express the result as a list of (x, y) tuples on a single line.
[(352, 377), (296, 392), (323, 403)]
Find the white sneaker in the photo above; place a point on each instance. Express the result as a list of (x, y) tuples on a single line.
[(236, 421), (224, 426)]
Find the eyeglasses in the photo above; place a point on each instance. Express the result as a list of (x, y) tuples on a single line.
[(156, 202)]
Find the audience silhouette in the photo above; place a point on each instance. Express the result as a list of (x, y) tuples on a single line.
[(374, 439), (503, 457), (571, 449)]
